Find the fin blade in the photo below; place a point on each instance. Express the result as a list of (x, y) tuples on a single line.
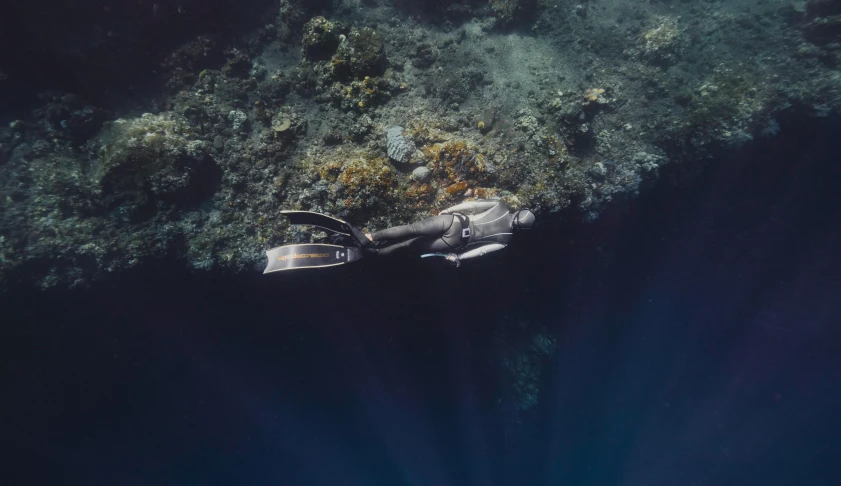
[(317, 219), (309, 255)]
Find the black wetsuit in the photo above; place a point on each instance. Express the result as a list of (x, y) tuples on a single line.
[(447, 233), (495, 225)]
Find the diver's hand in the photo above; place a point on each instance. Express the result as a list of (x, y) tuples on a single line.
[(454, 259)]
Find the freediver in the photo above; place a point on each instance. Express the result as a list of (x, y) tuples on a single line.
[(451, 234)]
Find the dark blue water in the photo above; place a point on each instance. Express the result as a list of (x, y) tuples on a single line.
[(698, 344)]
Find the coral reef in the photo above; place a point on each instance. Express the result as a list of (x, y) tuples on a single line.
[(321, 38), (547, 105), (510, 12), (148, 163), (361, 53), (664, 43), (346, 66)]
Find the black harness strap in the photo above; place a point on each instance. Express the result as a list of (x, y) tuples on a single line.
[(465, 229)]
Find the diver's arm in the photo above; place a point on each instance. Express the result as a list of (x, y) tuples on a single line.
[(456, 258), (480, 251), (479, 205)]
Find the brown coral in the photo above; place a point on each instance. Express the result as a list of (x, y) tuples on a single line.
[(364, 178), (456, 160), (456, 188), (419, 194)]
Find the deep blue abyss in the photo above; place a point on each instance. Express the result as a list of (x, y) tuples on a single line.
[(697, 332)]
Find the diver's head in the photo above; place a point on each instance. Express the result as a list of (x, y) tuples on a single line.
[(523, 219)]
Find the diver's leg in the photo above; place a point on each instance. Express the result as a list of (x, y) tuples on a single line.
[(434, 226), (439, 245), (402, 248), (416, 246)]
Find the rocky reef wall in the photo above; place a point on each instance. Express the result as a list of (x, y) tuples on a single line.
[(294, 105)]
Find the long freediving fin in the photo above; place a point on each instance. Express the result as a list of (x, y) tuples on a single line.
[(310, 255), (317, 219)]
